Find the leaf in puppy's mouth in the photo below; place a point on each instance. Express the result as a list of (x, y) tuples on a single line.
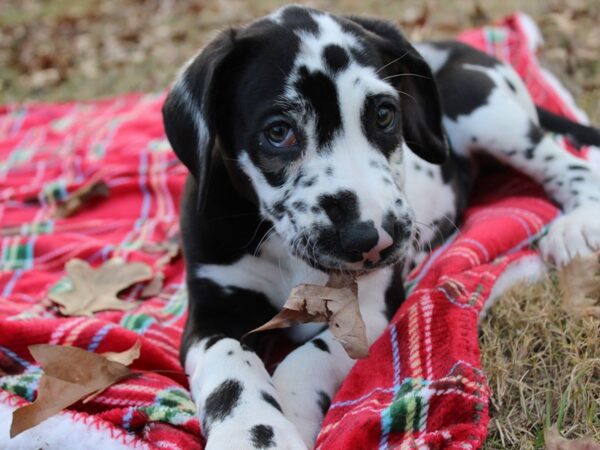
[(336, 303)]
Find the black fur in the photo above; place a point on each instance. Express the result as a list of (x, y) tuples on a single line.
[(324, 402), (580, 134), (261, 436), (221, 402), (271, 400)]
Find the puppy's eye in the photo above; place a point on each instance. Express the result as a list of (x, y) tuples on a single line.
[(281, 135), (386, 116)]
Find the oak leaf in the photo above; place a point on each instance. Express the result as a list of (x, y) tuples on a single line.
[(70, 374), (94, 290)]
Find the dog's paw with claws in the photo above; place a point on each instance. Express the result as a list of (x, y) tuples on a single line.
[(575, 233)]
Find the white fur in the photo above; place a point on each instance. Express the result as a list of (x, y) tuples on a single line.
[(216, 365), (435, 57)]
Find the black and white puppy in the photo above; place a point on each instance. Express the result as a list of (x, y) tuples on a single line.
[(317, 143)]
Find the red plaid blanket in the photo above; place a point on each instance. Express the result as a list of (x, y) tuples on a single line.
[(422, 386)]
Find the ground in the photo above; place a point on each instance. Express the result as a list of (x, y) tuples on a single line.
[(543, 364)]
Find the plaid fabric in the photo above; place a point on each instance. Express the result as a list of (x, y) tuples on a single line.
[(422, 386)]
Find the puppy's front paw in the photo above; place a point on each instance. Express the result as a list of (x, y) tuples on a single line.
[(574, 233), (255, 437)]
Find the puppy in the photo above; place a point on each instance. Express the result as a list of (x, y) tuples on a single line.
[(317, 144)]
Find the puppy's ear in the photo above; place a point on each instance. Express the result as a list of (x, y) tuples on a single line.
[(189, 111), (413, 79)]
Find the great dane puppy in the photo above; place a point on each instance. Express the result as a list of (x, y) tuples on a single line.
[(318, 144)]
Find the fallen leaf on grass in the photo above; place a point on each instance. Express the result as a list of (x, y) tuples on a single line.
[(70, 374), (95, 290), (335, 303), (77, 199), (579, 282), (554, 441)]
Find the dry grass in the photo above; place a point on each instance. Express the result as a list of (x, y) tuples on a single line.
[(543, 365)]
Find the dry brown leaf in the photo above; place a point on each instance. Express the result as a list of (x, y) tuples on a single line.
[(77, 199), (554, 441), (125, 357), (96, 289), (153, 288), (70, 374), (579, 282), (336, 303)]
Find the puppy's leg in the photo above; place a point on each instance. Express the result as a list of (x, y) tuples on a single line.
[(308, 378), (506, 127), (237, 404)]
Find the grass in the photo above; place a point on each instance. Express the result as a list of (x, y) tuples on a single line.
[(543, 366)]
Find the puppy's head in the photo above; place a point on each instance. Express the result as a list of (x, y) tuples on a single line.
[(310, 113)]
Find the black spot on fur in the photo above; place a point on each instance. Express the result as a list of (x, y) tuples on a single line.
[(335, 57), (300, 206), (417, 167), (321, 344), (329, 171), (222, 401), (315, 209), (548, 158), (213, 340), (510, 85), (291, 217), (341, 207), (324, 401), (311, 181), (321, 93), (535, 134), (473, 139), (386, 181), (298, 178), (578, 167), (511, 152), (430, 173), (278, 210), (271, 400), (530, 153), (246, 348), (547, 179), (230, 352), (299, 18), (262, 436), (577, 179), (453, 79)]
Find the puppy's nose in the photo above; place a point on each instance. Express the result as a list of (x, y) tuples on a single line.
[(363, 241)]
